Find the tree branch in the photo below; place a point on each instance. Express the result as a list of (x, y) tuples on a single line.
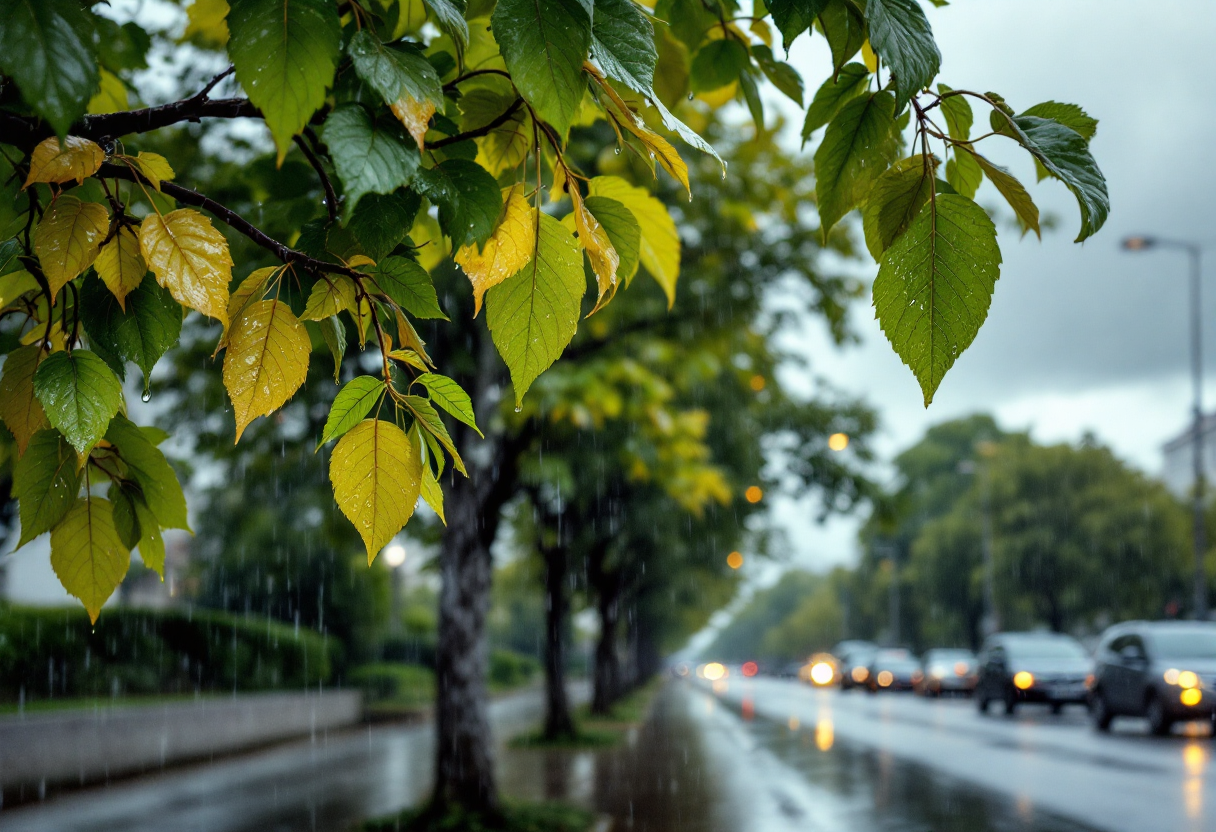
[(331, 198), (480, 131), (234, 221)]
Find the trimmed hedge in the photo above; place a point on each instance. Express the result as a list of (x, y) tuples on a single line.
[(54, 652), (399, 684), (509, 669)]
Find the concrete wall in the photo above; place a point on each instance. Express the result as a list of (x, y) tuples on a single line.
[(74, 747)]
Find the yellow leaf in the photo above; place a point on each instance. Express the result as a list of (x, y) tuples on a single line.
[(411, 14), (252, 288), (111, 97), (432, 493), (19, 408), (410, 357), (408, 336), (266, 361), (868, 56), (362, 315), (760, 29), (660, 244), (594, 240), (329, 296), (57, 337), (415, 115), (15, 284), (87, 554), (431, 242), (191, 258), (154, 167), (76, 158), (120, 265), (360, 260), (376, 473), (207, 22), (68, 239), (506, 145), (721, 96), (660, 149), (507, 250)]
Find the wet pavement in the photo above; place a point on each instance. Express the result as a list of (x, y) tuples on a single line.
[(760, 756)]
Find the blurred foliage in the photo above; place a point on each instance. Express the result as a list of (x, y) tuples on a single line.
[(54, 652), (394, 684)]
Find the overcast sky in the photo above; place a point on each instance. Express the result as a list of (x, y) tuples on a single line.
[(1079, 337)]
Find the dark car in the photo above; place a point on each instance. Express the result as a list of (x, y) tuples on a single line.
[(1032, 667), (854, 656), (1164, 670), (893, 669), (948, 670)]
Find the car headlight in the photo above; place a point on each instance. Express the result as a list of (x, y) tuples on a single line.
[(1186, 679), (1023, 680)]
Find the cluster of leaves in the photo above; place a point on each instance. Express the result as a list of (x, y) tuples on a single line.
[(436, 128)]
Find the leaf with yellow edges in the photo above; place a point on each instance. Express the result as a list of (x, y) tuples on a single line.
[(594, 239), (154, 167), (87, 555), (120, 265), (507, 251), (266, 361), (660, 243), (111, 96), (376, 472), (190, 258), (19, 408), (329, 296), (68, 239), (76, 158), (432, 493)]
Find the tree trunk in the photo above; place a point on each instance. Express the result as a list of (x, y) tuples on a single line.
[(558, 722), (607, 680)]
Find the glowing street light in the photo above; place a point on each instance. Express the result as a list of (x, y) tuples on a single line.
[(838, 441), (394, 555)]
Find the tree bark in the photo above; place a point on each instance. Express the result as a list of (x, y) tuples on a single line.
[(607, 679), (558, 722)]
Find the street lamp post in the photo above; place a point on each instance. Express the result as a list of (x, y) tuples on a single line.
[(1194, 252)]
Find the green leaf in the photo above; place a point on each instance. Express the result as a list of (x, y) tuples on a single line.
[(935, 284), (404, 79), (964, 174), (623, 232), (751, 95), (469, 200), (9, 263), (860, 143), (1013, 191), (126, 521), (622, 43), (369, 157), (1070, 115), (122, 47), (284, 52), (544, 44), (46, 46), (845, 30), (956, 110), (151, 543), (450, 396), (379, 223), (148, 466), (850, 82), (375, 470), (334, 333), (449, 15), (900, 34), (80, 395), (782, 76), (87, 555), (428, 419), (330, 295), (432, 493), (45, 482), (688, 20), (143, 333), (409, 285), (533, 315), (895, 200), (353, 402), (793, 17), (717, 64), (1065, 154)]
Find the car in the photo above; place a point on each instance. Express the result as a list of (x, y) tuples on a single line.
[(1162, 670), (893, 669), (854, 657), (820, 670), (948, 670), (1051, 668)]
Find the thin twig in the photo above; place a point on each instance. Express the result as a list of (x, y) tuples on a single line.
[(480, 131), (331, 198)]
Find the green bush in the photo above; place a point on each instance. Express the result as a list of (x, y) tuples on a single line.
[(54, 652), (399, 684), (509, 669)]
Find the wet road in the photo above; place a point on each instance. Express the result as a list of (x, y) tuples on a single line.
[(1047, 767), (760, 756)]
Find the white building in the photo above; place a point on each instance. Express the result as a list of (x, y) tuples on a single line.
[(1178, 472)]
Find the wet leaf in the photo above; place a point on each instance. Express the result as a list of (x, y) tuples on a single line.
[(120, 265), (1013, 191), (901, 35), (151, 543), (376, 472), (594, 239), (409, 286), (46, 46), (432, 493), (370, 157), (450, 396), (190, 258), (87, 555), (964, 174), (72, 159), (68, 239), (154, 167), (659, 248), (266, 360), (351, 406), (19, 407), (896, 200), (623, 231), (850, 82), (330, 295), (403, 78), (147, 465), (80, 395), (469, 200), (506, 251), (46, 480), (334, 334), (429, 422), (860, 142), (142, 333), (544, 44)]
